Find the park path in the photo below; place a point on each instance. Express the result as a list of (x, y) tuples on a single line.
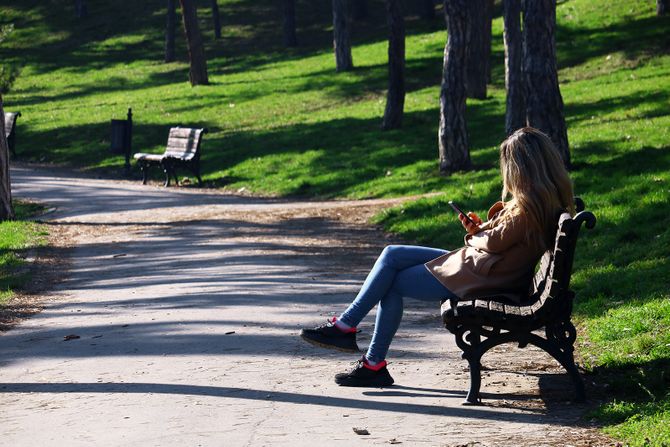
[(187, 306)]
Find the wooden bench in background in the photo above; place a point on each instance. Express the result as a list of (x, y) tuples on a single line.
[(182, 150), (10, 130), (482, 324)]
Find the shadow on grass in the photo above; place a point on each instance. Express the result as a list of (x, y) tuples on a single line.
[(637, 38)]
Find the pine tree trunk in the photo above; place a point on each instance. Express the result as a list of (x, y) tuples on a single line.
[(216, 18), (479, 48), (361, 10), (452, 134), (196, 49), (515, 114), (80, 9), (395, 98), (662, 7), (544, 104), (341, 39), (428, 9), (290, 38), (170, 26), (6, 210)]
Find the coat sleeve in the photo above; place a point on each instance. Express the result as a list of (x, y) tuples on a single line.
[(499, 238)]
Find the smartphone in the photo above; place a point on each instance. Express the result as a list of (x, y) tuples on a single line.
[(460, 211)]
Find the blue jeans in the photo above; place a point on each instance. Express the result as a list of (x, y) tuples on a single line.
[(399, 272)]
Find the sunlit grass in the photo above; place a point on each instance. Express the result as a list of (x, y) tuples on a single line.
[(17, 237)]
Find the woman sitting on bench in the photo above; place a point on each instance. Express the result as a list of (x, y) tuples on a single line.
[(498, 258)]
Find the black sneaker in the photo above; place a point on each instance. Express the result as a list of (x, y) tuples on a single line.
[(330, 336), (364, 375)]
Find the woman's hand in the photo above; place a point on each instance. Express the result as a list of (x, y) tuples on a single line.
[(469, 227)]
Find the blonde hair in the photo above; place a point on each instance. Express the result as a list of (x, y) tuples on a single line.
[(535, 177)]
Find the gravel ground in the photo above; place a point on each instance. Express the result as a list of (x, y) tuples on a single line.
[(169, 317)]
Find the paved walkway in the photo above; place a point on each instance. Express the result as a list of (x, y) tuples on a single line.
[(187, 304)]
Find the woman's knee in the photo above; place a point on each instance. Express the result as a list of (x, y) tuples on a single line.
[(390, 254)]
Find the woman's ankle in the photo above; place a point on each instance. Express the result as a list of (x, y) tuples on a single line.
[(343, 326)]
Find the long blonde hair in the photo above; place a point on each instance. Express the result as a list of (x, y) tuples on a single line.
[(535, 177)]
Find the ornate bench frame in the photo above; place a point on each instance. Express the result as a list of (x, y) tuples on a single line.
[(482, 324)]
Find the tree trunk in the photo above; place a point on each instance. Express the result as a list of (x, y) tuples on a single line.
[(170, 26), (80, 9), (341, 40), (6, 210), (290, 38), (544, 104), (428, 9), (361, 10), (479, 47), (452, 134), (217, 19), (395, 98), (196, 49), (662, 7), (515, 114)]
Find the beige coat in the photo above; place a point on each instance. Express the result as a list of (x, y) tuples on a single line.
[(498, 260)]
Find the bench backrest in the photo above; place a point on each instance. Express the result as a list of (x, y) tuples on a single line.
[(552, 280), (10, 121), (184, 143)]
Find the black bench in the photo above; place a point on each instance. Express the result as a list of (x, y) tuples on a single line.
[(10, 130), (182, 150), (482, 324)]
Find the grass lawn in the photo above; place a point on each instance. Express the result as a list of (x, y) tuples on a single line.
[(16, 238), (282, 122)]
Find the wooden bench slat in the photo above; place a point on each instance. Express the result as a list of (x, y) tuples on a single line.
[(10, 121), (185, 132), (181, 143), (184, 155)]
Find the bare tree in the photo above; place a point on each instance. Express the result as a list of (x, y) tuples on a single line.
[(290, 38), (341, 35), (395, 98), (196, 49), (80, 9), (6, 210), (544, 104), (452, 134), (216, 18), (662, 7), (170, 26), (479, 47), (515, 114)]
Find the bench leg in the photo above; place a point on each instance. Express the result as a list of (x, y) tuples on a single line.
[(167, 169), (560, 345), (196, 172), (11, 142), (474, 356), (144, 167)]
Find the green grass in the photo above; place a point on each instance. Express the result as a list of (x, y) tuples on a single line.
[(282, 122), (17, 237)]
